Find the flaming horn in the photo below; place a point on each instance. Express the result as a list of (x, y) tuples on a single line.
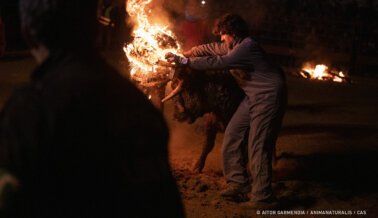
[(151, 42), (146, 52)]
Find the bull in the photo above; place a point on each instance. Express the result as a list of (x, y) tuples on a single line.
[(215, 95)]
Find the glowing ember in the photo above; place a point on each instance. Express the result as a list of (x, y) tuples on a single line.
[(151, 42), (321, 72)]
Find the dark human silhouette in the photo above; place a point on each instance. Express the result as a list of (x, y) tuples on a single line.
[(81, 140)]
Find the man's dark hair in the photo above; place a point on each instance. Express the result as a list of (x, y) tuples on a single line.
[(232, 24), (61, 23)]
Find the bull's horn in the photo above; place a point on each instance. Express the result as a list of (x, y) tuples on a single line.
[(175, 92)]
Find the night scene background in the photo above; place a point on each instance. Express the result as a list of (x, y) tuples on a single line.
[(328, 146)]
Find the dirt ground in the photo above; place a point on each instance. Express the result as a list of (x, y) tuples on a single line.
[(327, 155), (327, 150)]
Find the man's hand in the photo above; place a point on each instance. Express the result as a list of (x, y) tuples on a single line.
[(176, 59), (187, 53)]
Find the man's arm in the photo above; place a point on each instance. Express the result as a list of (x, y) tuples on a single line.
[(239, 57), (212, 49), (20, 121), (20, 124)]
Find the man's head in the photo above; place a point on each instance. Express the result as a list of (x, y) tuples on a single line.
[(59, 24), (230, 26)]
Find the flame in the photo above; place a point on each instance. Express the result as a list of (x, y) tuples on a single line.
[(340, 78), (151, 42), (321, 72)]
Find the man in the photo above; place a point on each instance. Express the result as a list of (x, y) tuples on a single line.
[(261, 111), (81, 140)]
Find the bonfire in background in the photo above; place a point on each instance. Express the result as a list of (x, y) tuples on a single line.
[(322, 72)]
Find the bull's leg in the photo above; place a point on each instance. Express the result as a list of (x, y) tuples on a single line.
[(211, 127)]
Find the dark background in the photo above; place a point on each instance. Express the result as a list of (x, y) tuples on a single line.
[(327, 148), (10, 16), (340, 33)]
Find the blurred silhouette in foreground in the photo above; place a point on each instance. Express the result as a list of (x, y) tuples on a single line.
[(79, 140)]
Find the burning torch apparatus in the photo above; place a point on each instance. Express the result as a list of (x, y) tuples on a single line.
[(153, 85)]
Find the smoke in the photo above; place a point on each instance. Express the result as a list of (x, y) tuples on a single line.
[(254, 12), (175, 7), (157, 12), (172, 12)]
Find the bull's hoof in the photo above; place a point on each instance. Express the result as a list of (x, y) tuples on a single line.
[(198, 167)]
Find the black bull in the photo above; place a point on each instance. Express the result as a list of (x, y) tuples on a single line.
[(212, 94)]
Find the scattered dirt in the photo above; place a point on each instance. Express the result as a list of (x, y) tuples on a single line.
[(327, 153)]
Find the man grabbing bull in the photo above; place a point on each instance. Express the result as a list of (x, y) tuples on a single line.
[(261, 112)]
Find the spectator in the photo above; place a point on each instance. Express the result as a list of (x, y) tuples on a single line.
[(81, 140)]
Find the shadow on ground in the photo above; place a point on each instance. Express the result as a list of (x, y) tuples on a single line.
[(354, 173), (309, 108), (338, 130), (337, 178)]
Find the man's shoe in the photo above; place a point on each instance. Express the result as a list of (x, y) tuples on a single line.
[(267, 204), (235, 191)]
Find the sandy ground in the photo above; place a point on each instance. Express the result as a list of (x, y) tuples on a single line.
[(327, 149)]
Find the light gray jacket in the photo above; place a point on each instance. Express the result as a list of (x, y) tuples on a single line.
[(245, 54)]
